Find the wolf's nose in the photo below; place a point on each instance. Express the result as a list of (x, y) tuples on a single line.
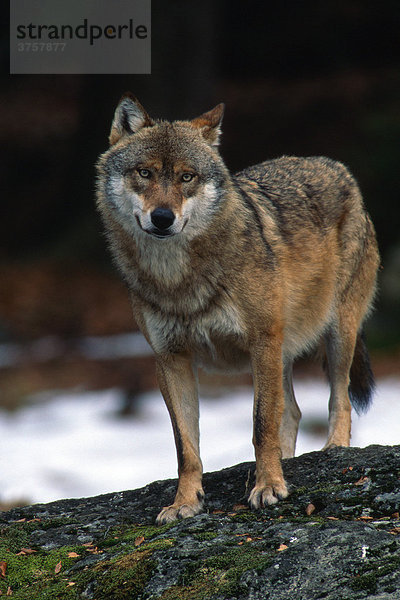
[(162, 218)]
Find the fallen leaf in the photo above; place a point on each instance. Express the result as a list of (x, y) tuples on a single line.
[(70, 583), (395, 515), (347, 469), (249, 539), (333, 518), (310, 509), (395, 530), (139, 540), (9, 592), (24, 551), (88, 544), (240, 507), (362, 480), (58, 567), (3, 568), (73, 555), (94, 550), (282, 547)]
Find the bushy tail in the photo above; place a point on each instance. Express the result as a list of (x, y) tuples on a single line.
[(362, 382)]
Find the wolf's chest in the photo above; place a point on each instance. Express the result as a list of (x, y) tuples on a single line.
[(215, 338)]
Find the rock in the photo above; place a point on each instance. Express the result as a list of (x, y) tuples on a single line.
[(337, 536)]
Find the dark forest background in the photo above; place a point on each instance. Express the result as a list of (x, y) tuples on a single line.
[(305, 78)]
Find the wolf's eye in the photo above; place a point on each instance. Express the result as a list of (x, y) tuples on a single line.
[(144, 173), (186, 177)]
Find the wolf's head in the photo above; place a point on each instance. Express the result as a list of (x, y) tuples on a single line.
[(162, 179)]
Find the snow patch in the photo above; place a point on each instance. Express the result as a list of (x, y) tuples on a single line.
[(75, 444)]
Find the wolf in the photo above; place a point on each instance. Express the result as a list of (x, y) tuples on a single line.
[(238, 272)]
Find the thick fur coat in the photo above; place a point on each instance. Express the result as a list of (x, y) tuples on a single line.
[(236, 272)]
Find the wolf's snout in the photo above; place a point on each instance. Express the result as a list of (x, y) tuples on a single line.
[(162, 218)]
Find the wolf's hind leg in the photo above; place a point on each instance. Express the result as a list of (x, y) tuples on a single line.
[(340, 343), (291, 415), (178, 385)]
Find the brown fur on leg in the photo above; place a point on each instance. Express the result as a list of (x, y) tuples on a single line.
[(179, 387), (268, 409)]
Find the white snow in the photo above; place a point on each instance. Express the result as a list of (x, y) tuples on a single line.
[(75, 444)]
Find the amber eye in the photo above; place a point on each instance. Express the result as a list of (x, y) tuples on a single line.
[(186, 177), (145, 173)]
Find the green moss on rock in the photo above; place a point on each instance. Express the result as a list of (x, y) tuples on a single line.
[(40, 574), (218, 574), (124, 577), (120, 565)]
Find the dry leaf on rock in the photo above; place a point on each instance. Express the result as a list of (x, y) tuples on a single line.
[(310, 509), (25, 551), (3, 568), (362, 481), (139, 540), (395, 530), (237, 507)]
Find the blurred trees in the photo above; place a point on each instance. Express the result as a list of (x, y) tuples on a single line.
[(297, 78)]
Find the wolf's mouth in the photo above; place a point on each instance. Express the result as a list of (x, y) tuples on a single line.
[(160, 233)]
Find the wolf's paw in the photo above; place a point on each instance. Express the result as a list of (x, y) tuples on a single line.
[(261, 496), (336, 443), (174, 512)]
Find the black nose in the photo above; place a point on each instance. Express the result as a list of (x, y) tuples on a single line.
[(162, 218)]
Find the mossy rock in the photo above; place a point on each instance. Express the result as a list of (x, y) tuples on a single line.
[(333, 537)]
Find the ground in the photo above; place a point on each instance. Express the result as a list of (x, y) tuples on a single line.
[(336, 536)]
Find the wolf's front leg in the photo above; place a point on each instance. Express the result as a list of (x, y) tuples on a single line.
[(268, 409), (178, 385)]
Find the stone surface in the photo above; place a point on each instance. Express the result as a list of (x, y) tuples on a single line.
[(337, 536)]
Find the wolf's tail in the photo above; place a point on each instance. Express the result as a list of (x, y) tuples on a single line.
[(362, 382)]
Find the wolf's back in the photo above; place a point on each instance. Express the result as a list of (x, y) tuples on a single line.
[(303, 193)]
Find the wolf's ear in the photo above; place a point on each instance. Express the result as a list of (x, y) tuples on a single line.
[(210, 124), (129, 117)]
